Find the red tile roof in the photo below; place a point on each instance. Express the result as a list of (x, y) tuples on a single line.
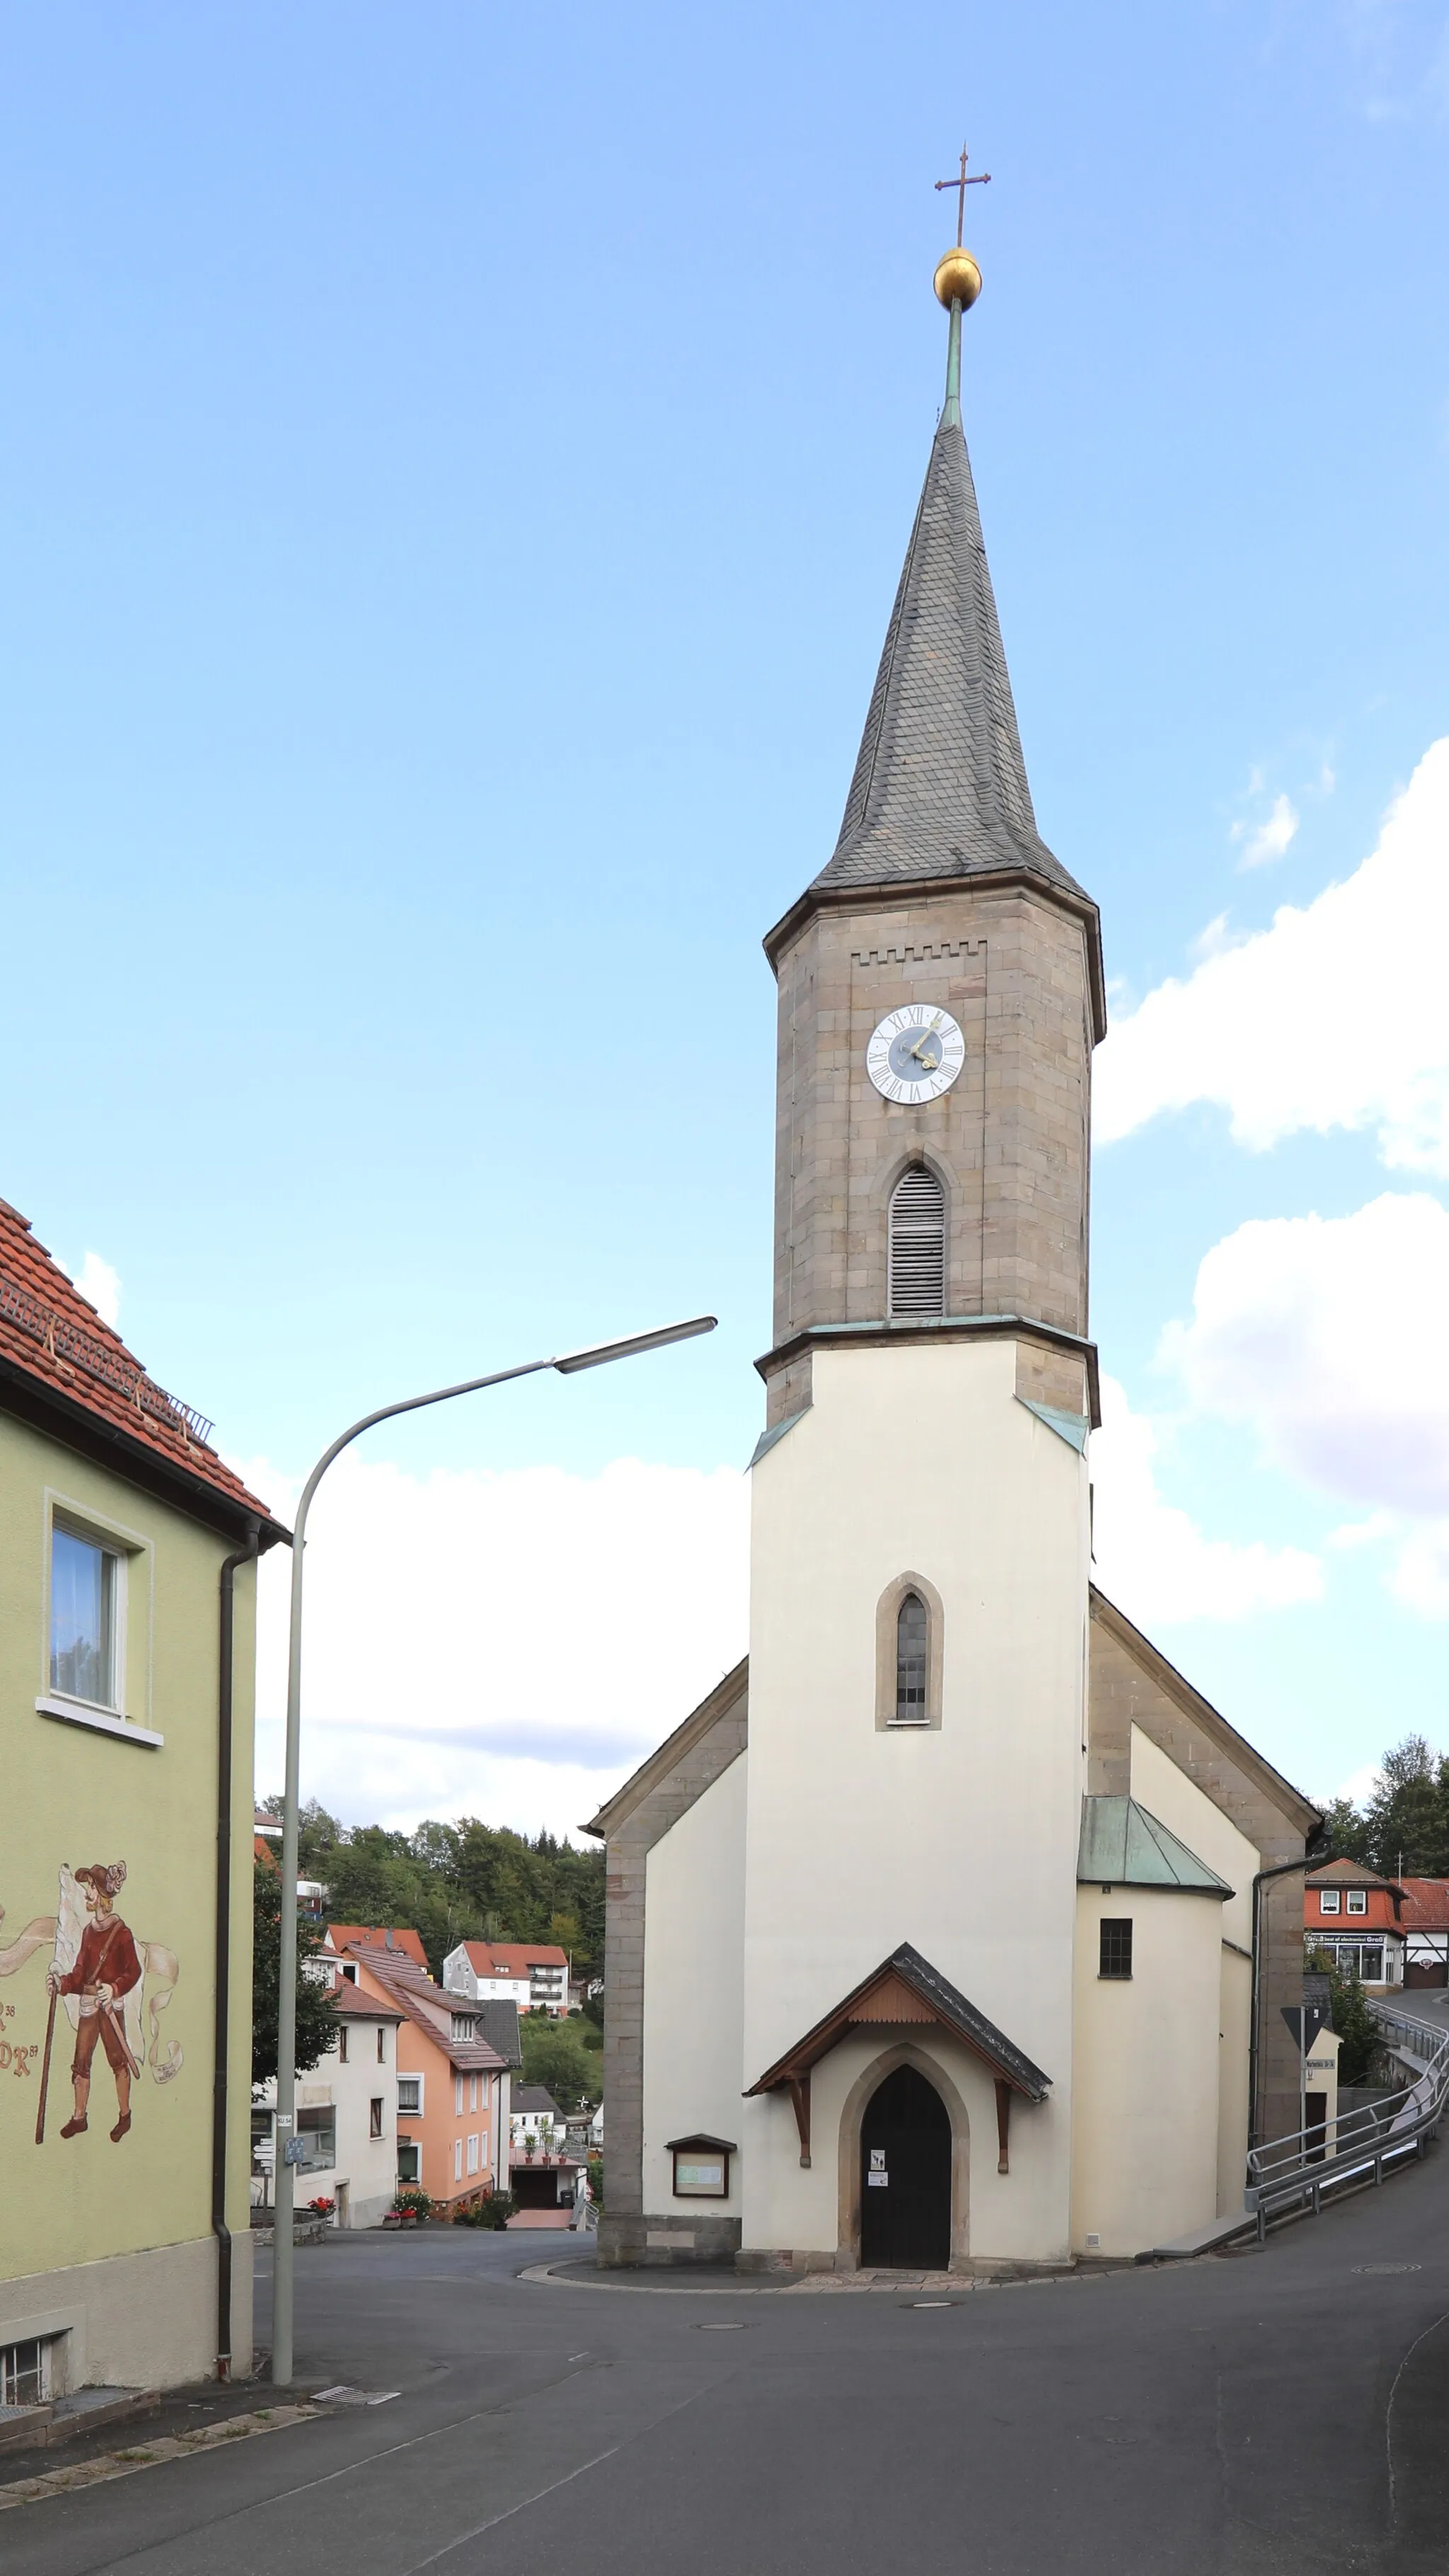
[(1426, 1904), (513, 1958), (52, 1335), (359, 2007), (366, 1936)]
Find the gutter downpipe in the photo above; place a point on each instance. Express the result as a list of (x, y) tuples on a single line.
[(220, 2072), (1285, 1869)]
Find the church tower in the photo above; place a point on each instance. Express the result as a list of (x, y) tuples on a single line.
[(933, 1934), (920, 1548)]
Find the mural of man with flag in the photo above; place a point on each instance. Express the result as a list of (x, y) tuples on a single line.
[(105, 1970)]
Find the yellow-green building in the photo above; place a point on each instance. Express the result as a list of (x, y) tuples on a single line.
[(127, 1614)]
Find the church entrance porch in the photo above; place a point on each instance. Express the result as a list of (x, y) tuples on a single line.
[(905, 2176)]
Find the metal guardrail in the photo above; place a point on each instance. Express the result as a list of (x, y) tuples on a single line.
[(1306, 2165)]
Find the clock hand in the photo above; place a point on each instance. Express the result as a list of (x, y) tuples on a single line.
[(929, 1061)]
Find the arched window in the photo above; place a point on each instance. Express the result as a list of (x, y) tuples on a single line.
[(912, 1646), (916, 1265)]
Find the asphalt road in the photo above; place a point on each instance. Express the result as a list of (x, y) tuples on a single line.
[(1282, 2410)]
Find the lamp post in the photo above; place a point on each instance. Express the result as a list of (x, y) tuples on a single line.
[(596, 1356)]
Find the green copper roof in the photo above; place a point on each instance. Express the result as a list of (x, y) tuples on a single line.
[(1122, 1846)]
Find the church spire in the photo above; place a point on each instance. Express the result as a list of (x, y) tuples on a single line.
[(940, 786)]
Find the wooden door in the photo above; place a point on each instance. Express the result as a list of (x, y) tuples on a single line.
[(905, 2177)]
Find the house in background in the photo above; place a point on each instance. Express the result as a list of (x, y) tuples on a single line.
[(542, 2162), (534, 1975), (1424, 1921), (341, 1939), (127, 1593), (452, 2083), (346, 2115), (1355, 1915)]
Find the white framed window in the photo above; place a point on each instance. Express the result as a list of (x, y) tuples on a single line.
[(457, 2160), (1328, 1900), (472, 2092), (25, 2371), (410, 2097), (473, 2154), (97, 1659), (408, 2164), (457, 2097), (1358, 1900), (87, 1611)]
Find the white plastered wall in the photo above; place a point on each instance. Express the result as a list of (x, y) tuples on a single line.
[(143, 2320), (962, 1839), (693, 1943), (1188, 1812), (1146, 2095)]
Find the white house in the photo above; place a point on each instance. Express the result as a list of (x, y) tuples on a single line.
[(534, 1975), (346, 2116)]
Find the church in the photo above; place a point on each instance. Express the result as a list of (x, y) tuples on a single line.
[(936, 1935)]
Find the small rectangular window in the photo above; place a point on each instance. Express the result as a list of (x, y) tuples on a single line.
[(317, 2130), (1358, 1900), (473, 2155), (409, 2096), (1114, 1958), (84, 1586), (457, 2097), (342, 2045), (374, 2116), (382, 2044), (407, 2161), (1328, 1900), (457, 2160), (25, 2372)]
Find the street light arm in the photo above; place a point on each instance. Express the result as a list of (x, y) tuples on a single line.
[(594, 1357)]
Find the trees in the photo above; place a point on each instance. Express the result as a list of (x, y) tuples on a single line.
[(555, 2056), (316, 2020), (1407, 1820), (457, 1882)]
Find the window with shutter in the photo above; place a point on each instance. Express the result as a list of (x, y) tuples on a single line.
[(916, 1266)]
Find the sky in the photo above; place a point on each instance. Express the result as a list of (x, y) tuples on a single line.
[(459, 463)]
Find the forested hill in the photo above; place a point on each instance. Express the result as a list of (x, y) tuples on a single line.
[(460, 1882)]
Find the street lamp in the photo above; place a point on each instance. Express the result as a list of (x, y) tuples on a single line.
[(597, 1356)]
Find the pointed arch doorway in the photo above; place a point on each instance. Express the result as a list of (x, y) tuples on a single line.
[(905, 2176)]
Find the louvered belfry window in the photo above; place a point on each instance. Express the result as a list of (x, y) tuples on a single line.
[(911, 1643), (916, 1282)]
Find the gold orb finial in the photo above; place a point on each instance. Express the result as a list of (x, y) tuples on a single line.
[(957, 279)]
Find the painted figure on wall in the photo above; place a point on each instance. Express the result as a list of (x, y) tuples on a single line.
[(113, 1986), (105, 1970)]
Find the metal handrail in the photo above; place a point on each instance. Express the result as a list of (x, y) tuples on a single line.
[(1304, 2165)]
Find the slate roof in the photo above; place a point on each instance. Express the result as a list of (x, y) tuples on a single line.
[(52, 1339), (498, 2021), (940, 783), (1122, 1846), (534, 2097)]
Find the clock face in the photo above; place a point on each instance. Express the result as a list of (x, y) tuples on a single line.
[(915, 1054)]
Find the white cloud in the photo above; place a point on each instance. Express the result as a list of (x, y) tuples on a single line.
[(1360, 1785), (1420, 1579), (1271, 838), (1154, 1561), (1322, 1332), (1334, 1017), (506, 1645), (97, 1280)]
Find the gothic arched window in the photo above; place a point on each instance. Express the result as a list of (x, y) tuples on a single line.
[(912, 1647), (916, 1262)]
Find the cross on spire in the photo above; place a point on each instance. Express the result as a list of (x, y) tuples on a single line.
[(978, 179)]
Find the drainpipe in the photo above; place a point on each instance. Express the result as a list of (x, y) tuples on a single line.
[(219, 2105), (1285, 1869)]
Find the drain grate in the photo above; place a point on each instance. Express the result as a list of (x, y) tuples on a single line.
[(344, 2396), (1376, 2268)]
